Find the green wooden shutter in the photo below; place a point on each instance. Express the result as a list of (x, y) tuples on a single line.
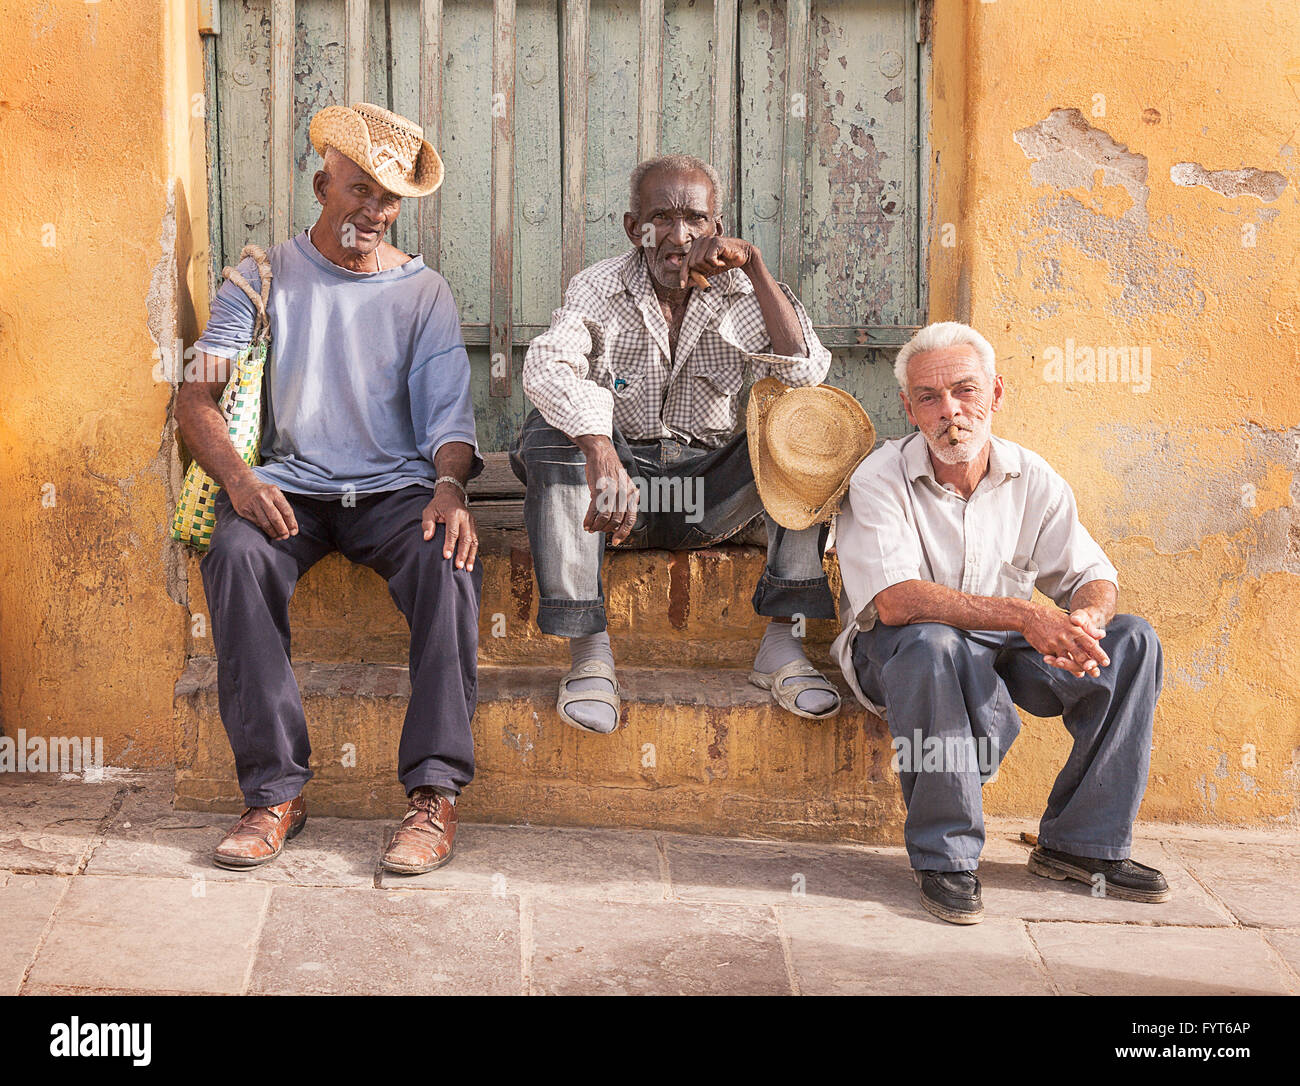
[(811, 112)]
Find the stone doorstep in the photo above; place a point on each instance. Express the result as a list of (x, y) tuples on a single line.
[(697, 751), (691, 605)]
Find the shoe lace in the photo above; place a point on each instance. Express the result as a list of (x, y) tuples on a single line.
[(256, 822), (427, 804)]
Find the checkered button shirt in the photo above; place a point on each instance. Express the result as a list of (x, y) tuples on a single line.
[(605, 359)]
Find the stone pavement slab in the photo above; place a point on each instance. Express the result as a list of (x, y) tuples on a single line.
[(147, 837), (583, 947), (326, 940), (26, 904), (609, 864), (786, 873), (1287, 945), (1009, 890), (1259, 883), (48, 825), (849, 950), (105, 888), (147, 934), (1125, 959)]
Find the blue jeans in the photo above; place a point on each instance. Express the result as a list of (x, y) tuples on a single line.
[(699, 497), (947, 690)]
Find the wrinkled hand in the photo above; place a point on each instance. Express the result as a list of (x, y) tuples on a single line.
[(614, 497), (712, 256), (265, 505), (448, 507), (1070, 642)]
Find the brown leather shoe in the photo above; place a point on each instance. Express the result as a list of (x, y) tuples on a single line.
[(424, 839), (259, 836)]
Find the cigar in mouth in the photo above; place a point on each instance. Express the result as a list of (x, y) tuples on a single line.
[(953, 431), (699, 280)]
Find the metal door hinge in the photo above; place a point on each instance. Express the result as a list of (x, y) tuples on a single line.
[(209, 17)]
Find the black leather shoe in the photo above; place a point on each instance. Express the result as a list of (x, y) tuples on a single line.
[(1122, 879), (953, 896)]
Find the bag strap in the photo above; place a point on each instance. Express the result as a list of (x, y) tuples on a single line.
[(262, 323)]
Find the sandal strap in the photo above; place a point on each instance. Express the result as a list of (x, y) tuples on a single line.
[(801, 667), (592, 669), (806, 677)]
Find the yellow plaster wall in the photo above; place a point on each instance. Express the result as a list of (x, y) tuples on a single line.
[(1191, 486), (102, 200), (1084, 236)]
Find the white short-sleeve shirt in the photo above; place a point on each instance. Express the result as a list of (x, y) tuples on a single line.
[(1019, 530)]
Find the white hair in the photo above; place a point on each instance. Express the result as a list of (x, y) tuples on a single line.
[(935, 337), (674, 164)]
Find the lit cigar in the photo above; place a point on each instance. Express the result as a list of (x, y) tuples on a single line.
[(699, 280), (952, 434)]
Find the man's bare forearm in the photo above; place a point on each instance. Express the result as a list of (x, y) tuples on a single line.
[(1099, 597), (207, 437), (779, 317), (454, 458), (924, 601)]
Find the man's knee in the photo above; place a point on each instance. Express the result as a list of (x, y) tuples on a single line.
[(541, 443), (933, 641), (1130, 632), (237, 544)]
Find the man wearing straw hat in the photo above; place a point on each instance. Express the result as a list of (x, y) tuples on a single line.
[(944, 536), (637, 386), (368, 444)]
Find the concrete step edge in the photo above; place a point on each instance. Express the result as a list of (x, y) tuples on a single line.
[(719, 688)]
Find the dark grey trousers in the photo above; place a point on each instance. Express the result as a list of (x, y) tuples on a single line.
[(949, 696), (249, 577)]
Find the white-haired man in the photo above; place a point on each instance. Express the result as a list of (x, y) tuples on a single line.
[(942, 540)]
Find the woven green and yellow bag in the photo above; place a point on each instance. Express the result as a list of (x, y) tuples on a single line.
[(241, 403)]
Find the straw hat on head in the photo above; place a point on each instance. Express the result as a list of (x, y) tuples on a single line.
[(389, 148), (804, 444)]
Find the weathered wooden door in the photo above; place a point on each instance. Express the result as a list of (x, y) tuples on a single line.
[(811, 112)]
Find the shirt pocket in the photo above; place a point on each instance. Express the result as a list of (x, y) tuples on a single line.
[(1017, 581), (629, 395), (714, 388)]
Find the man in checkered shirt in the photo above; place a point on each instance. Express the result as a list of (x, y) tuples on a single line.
[(637, 385)]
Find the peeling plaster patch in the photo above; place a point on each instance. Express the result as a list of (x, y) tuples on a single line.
[(1067, 152), (1203, 666), (1148, 273), (1221, 770), (1266, 185), (161, 309), (1049, 276), (1209, 792), (1155, 465), (518, 741)]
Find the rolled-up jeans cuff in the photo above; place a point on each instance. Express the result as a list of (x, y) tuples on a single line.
[(570, 618), (777, 598)]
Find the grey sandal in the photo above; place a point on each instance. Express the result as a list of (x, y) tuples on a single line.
[(592, 669), (784, 693)]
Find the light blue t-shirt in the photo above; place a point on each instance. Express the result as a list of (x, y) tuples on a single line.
[(367, 375)]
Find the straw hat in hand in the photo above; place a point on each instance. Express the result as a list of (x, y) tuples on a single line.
[(804, 444)]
